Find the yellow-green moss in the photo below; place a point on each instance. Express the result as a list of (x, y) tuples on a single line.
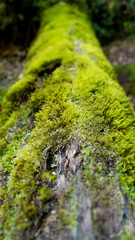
[(78, 98)]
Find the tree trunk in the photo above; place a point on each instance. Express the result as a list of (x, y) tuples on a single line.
[(67, 140)]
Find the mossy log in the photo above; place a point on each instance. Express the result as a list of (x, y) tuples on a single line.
[(67, 140)]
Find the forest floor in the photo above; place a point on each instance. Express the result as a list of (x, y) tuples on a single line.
[(121, 51), (121, 54), (11, 64)]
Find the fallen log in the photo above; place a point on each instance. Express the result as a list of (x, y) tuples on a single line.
[(67, 139)]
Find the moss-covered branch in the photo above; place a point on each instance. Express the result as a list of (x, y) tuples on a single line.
[(68, 93)]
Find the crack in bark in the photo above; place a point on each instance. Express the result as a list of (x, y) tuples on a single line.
[(98, 217)]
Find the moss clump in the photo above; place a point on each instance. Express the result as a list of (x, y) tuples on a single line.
[(68, 90), (66, 218), (52, 130)]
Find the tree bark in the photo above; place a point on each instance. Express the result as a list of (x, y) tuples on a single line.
[(67, 140)]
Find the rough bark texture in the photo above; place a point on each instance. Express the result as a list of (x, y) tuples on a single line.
[(67, 140)]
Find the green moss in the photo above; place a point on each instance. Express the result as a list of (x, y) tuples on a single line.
[(108, 100), (66, 218), (127, 235), (68, 214), (1, 95), (70, 90)]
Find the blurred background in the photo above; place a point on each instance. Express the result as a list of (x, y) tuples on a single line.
[(19, 20)]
